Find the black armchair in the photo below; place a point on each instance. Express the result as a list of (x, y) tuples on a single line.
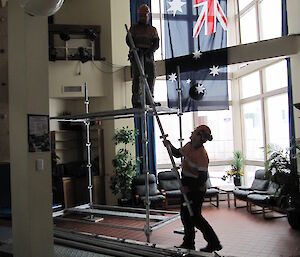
[(259, 183), (269, 200), (139, 189), (169, 186)]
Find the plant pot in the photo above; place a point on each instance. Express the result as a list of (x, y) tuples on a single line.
[(293, 215), (237, 181)]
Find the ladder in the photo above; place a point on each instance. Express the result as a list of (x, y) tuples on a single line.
[(163, 135)]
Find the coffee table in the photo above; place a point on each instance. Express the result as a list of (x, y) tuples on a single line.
[(228, 189)]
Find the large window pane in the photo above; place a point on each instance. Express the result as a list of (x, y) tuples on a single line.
[(216, 173), (250, 85), (250, 174), (244, 3), (270, 19), (170, 124), (253, 132), (249, 27), (220, 123), (154, 6), (158, 53), (277, 120), (276, 76), (160, 91)]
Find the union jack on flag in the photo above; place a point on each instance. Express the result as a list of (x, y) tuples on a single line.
[(211, 12)]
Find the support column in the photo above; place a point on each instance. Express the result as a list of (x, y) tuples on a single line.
[(28, 94), (293, 8)]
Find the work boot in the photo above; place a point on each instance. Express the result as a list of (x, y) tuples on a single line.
[(185, 245), (212, 248)]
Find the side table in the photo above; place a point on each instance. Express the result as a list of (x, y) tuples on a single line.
[(228, 189)]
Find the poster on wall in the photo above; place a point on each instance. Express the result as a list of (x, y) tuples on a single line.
[(38, 133)]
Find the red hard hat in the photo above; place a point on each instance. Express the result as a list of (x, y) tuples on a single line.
[(206, 130), (144, 9)]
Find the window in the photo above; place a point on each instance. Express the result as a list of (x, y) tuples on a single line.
[(220, 123), (259, 20), (253, 131), (276, 76), (270, 19), (244, 3), (260, 109), (249, 26), (278, 120), (250, 85), (170, 124)]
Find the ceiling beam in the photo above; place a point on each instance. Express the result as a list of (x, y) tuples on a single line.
[(266, 49)]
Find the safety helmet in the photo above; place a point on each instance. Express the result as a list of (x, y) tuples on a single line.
[(206, 130), (144, 9)]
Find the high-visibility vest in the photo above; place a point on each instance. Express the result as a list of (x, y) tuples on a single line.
[(195, 160)]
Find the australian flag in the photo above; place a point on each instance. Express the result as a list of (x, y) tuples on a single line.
[(196, 40)]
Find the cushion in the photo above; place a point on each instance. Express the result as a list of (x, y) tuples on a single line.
[(168, 181), (259, 184), (173, 193), (241, 194), (273, 188), (154, 198), (211, 192), (169, 185), (140, 185), (258, 198), (260, 174)]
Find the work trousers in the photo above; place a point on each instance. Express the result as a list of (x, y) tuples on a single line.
[(149, 68), (197, 221)]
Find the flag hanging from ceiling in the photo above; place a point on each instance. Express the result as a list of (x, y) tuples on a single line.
[(195, 38)]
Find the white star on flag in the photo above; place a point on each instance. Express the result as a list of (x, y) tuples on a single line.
[(188, 81), (175, 6), (200, 88), (197, 54), (173, 77), (214, 70)]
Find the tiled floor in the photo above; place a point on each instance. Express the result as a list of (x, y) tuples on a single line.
[(241, 234)]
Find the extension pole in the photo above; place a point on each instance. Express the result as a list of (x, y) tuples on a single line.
[(163, 135), (88, 145), (179, 111), (145, 140)]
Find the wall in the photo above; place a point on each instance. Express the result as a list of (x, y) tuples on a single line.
[(32, 226), (4, 139), (110, 87), (293, 10)]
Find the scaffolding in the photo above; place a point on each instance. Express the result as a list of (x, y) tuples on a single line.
[(153, 110)]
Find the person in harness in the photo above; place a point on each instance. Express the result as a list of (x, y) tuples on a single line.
[(194, 175), (146, 40)]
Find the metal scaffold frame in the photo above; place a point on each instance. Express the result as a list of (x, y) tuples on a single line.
[(129, 113)]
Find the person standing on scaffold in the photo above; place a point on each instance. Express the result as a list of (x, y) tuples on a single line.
[(194, 176), (146, 40)]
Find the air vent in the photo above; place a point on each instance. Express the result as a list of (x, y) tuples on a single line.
[(72, 89)]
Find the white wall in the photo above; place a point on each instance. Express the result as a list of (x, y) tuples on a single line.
[(106, 89), (293, 10), (31, 190)]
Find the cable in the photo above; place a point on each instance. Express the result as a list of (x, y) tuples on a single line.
[(104, 71)]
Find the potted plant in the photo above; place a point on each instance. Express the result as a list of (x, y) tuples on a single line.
[(280, 170), (236, 170), (124, 165)]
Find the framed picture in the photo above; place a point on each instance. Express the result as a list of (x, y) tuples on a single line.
[(38, 133)]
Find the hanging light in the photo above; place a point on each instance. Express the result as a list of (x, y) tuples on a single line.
[(41, 7)]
